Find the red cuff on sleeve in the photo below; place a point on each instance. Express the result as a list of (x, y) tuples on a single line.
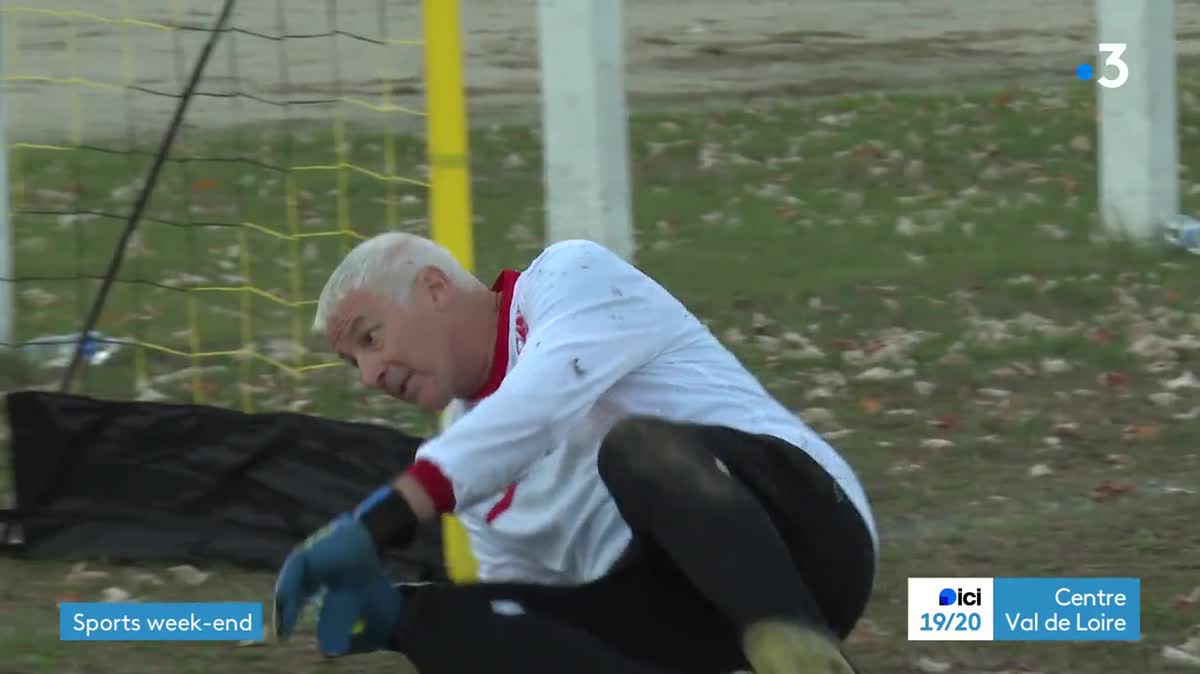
[(435, 484)]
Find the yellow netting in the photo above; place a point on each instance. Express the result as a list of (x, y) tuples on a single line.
[(285, 225)]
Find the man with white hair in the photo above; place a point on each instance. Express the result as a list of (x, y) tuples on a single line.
[(636, 500)]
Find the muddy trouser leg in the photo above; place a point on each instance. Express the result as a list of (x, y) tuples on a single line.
[(760, 529)]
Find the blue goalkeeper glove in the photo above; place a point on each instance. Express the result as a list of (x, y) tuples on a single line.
[(357, 619), (341, 557)]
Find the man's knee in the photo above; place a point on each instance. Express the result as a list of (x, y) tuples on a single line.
[(627, 451), (648, 456)]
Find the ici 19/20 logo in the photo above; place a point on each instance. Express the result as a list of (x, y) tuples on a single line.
[(952, 597)]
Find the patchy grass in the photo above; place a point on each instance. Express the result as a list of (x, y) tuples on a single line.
[(919, 277)]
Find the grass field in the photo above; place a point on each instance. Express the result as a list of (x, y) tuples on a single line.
[(921, 277)]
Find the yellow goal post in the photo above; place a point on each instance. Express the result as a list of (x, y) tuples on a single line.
[(449, 191)]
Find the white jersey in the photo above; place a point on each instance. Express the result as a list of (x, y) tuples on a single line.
[(586, 339)]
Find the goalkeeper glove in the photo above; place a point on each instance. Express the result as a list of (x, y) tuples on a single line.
[(342, 555), (357, 619)]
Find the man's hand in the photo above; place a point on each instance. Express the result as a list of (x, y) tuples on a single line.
[(339, 555), (357, 619), (343, 555)]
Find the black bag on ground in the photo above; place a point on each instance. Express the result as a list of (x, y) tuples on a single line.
[(156, 482)]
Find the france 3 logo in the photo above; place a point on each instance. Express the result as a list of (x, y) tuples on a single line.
[(950, 609)]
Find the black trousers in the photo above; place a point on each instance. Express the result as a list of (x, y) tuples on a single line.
[(729, 529)]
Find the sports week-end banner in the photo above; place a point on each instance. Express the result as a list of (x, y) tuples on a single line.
[(1024, 609), (134, 621)]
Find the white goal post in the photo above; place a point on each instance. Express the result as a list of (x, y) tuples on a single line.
[(1138, 137), (585, 133)]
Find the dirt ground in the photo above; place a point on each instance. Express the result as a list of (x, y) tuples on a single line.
[(677, 51)]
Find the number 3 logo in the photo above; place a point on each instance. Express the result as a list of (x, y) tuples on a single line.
[(1114, 50)]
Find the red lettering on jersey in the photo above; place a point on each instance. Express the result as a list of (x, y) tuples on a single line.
[(522, 330), (503, 504)]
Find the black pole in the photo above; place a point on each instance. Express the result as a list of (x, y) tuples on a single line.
[(135, 216)]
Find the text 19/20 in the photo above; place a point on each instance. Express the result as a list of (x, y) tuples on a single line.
[(951, 622)]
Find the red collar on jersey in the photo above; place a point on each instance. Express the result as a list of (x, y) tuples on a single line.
[(504, 285)]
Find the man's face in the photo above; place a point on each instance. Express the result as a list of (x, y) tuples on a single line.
[(402, 349)]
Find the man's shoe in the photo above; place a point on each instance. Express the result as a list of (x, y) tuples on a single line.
[(776, 647)]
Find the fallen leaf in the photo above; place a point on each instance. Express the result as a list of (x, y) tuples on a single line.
[(843, 344), (871, 405), (1055, 366), (1118, 460), (1040, 470), (67, 598), (936, 443), (145, 577), (931, 666), (734, 336), (1110, 489), (854, 357), (1115, 379), (80, 574), (205, 185), (1185, 380), (1069, 430), (114, 595), (1186, 654), (38, 296), (760, 323), (818, 416), (1188, 600), (830, 379), (1163, 398), (188, 574), (902, 467), (945, 422), (1139, 432), (883, 374)]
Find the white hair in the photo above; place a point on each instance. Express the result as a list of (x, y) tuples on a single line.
[(387, 264)]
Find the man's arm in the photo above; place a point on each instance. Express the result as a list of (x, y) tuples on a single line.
[(593, 320)]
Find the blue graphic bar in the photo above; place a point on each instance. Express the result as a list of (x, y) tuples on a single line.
[(1067, 609), (217, 621)]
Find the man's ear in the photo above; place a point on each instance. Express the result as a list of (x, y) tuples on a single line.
[(434, 283)]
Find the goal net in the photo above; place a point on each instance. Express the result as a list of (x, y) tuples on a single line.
[(311, 128)]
